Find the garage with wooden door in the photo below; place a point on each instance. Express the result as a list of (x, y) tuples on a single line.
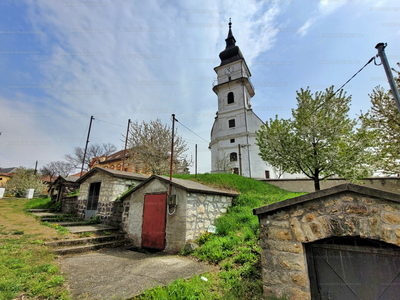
[(339, 243)]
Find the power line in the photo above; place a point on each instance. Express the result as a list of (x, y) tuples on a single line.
[(322, 104), (110, 123), (192, 131), (372, 58)]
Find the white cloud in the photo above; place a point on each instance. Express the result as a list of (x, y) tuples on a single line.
[(325, 7)]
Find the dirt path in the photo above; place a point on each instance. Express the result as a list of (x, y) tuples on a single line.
[(121, 274)]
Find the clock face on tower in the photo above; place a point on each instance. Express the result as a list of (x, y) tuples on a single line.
[(229, 71)]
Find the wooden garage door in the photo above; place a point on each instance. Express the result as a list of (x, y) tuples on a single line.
[(154, 214), (345, 272)]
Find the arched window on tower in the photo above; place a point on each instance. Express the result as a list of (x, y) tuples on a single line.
[(233, 156), (231, 98)]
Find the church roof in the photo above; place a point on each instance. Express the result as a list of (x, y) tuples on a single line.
[(231, 52)]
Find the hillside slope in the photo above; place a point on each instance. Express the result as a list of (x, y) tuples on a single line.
[(235, 246)]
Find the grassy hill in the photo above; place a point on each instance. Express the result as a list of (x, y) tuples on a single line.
[(234, 249)]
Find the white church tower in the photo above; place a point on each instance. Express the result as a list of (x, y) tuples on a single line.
[(233, 134)]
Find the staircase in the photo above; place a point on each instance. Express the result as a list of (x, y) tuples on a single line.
[(87, 237)]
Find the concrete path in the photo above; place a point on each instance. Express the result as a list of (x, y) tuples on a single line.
[(121, 274)]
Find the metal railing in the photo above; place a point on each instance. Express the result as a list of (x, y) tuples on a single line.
[(234, 76)]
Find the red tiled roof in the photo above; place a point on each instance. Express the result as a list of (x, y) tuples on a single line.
[(79, 174), (116, 156), (47, 178)]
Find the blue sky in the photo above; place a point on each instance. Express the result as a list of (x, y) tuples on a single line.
[(64, 60)]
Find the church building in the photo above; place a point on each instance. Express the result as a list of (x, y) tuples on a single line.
[(233, 135)]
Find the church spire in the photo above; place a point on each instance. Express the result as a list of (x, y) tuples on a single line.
[(231, 52), (230, 40)]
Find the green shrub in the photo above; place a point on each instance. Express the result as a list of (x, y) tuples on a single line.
[(245, 255)]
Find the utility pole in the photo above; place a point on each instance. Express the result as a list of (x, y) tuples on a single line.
[(172, 151), (34, 173), (87, 142), (195, 162), (381, 53), (240, 160), (126, 142)]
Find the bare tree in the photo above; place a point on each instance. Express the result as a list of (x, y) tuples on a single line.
[(150, 147), (56, 168), (223, 163), (93, 151)]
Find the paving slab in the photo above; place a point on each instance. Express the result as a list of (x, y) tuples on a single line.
[(122, 274)]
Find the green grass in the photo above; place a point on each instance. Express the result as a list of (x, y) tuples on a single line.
[(27, 268), (234, 248), (43, 203), (75, 193)]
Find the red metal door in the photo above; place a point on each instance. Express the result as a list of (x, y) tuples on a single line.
[(154, 213)]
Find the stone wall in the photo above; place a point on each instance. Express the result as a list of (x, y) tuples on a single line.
[(175, 224), (202, 210), (389, 184), (109, 210), (70, 205), (283, 233), (195, 211)]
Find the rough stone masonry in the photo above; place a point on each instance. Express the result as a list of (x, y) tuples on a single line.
[(284, 232)]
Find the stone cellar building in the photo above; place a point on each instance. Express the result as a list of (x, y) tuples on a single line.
[(99, 190), (337, 243), (152, 219)]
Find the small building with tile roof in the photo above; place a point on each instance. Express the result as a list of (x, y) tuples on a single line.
[(60, 190), (165, 214), (99, 190)]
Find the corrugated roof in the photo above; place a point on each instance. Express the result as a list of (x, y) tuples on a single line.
[(114, 173), (187, 185)]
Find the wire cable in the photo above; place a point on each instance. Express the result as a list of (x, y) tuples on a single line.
[(191, 131), (110, 123), (322, 104), (372, 58)]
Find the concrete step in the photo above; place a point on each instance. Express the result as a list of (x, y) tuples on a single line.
[(87, 240), (59, 218), (91, 247), (39, 210), (96, 229), (47, 214), (72, 223)]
